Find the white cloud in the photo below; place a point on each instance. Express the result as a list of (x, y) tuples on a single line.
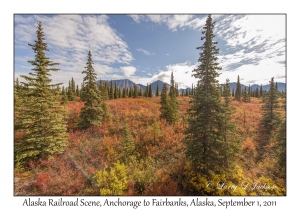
[(69, 37), (128, 71), (146, 52), (136, 18), (172, 21)]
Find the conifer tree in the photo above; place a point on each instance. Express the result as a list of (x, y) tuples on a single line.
[(95, 109), (115, 91), (135, 91), (42, 119), (260, 91), (174, 105), (111, 91), (157, 90), (150, 91), (238, 92), (270, 117), (249, 94), (17, 103), (270, 107), (208, 122), (164, 102), (128, 144), (176, 90), (146, 91), (64, 98), (77, 91)]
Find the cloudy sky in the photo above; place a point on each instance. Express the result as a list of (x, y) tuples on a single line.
[(145, 48)]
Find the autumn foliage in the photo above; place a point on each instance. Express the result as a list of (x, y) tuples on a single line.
[(156, 166)]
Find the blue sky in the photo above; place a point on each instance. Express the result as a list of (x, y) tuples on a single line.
[(145, 48)]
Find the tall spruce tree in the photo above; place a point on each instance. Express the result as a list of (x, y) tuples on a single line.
[(42, 119), (270, 115), (95, 109), (208, 120), (238, 90), (150, 94), (174, 105), (164, 102)]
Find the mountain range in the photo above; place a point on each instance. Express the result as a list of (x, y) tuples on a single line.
[(126, 83)]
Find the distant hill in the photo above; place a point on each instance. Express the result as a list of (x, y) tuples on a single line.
[(126, 83), (121, 83), (281, 86)]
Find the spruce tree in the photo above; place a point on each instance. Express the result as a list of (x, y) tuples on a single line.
[(128, 144), (270, 117), (150, 91), (245, 96), (174, 105), (261, 91), (95, 109), (111, 91), (64, 98), (135, 91), (208, 120), (238, 90), (42, 119), (164, 102), (157, 90)]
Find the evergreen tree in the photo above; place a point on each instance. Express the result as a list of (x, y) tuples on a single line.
[(115, 91), (146, 91), (111, 91), (208, 122), (42, 118), (150, 91), (77, 91), (17, 103), (245, 96), (278, 138), (176, 90), (270, 117), (157, 90), (232, 94), (270, 107), (260, 91), (174, 105), (249, 94), (135, 91), (238, 92), (164, 102), (128, 144), (95, 109), (64, 99)]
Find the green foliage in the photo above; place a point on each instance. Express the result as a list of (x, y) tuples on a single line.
[(150, 94), (157, 90), (64, 98), (269, 108), (278, 139), (112, 181), (165, 104), (42, 119), (141, 173), (169, 104), (209, 127), (95, 109), (128, 144), (238, 92)]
